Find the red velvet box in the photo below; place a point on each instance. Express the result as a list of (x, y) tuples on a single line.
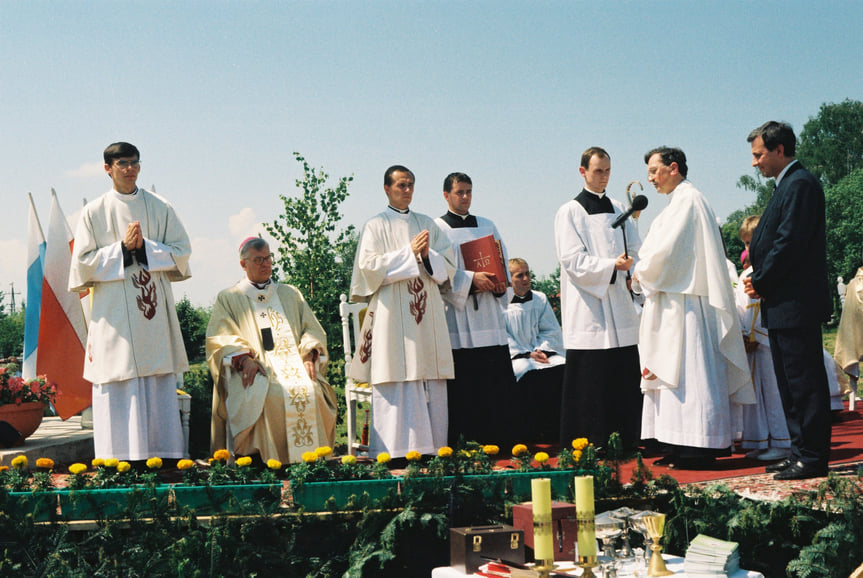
[(564, 527)]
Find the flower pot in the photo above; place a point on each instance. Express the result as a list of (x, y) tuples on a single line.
[(313, 496), (111, 502), (41, 505), (227, 499), (25, 418)]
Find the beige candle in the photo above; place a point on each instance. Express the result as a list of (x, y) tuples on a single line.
[(543, 543), (585, 515)]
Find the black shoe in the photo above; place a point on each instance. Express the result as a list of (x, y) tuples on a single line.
[(801, 471), (668, 460), (693, 463), (780, 466)]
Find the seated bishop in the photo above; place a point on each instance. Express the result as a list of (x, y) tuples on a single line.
[(535, 346), (268, 357)]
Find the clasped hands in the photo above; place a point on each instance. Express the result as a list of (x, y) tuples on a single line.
[(134, 238), (252, 367)]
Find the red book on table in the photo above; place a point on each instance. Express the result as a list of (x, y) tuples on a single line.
[(484, 255)]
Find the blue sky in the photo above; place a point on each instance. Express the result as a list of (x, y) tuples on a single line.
[(218, 94)]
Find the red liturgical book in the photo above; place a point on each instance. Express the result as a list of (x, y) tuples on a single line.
[(485, 255)]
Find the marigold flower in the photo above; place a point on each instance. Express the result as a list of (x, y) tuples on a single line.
[(490, 450), (579, 443), (97, 462), (154, 463), (274, 464), (185, 464), (112, 463), (46, 463), (4, 468), (445, 452), (77, 468), (576, 455), (519, 449), (541, 457), (222, 455), (413, 456), (323, 451), (349, 460), (244, 462), (383, 458), (123, 467), (310, 457), (19, 462)]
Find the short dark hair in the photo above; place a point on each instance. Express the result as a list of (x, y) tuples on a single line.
[(669, 155), (454, 178), (588, 154), (388, 176), (119, 150), (774, 134)]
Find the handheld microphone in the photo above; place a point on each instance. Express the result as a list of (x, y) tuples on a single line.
[(639, 203)]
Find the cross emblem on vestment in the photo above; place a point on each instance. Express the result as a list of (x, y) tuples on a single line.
[(262, 315), (262, 298)]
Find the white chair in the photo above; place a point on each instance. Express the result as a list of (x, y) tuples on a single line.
[(355, 393)]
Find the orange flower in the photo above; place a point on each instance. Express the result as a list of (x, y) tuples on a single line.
[(490, 450), (185, 464), (579, 443), (413, 456), (45, 463), (222, 455), (519, 450)]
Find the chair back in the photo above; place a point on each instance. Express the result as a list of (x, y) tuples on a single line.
[(352, 315)]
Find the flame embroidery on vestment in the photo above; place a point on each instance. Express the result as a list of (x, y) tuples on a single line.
[(147, 300), (419, 298)]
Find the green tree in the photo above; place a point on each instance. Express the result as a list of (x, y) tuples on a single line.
[(831, 143), (313, 254), (844, 209), (731, 228), (11, 331), (193, 325), (549, 285)]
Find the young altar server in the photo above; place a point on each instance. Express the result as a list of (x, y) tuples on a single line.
[(129, 246), (600, 322), (404, 351)]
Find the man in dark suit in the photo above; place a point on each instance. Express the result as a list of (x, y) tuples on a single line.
[(789, 260)]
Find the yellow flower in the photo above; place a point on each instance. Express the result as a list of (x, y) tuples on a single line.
[(222, 455), (123, 467), (383, 458), (541, 457), (185, 464), (579, 443), (464, 453), (349, 460), (323, 451), (244, 462), (112, 463), (45, 463), (413, 456), (490, 450), (154, 463), (576, 455), (97, 462), (274, 464), (4, 468), (77, 468), (310, 457), (518, 450), (445, 452), (19, 462)]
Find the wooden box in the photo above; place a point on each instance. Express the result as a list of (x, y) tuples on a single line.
[(564, 527), (471, 547)]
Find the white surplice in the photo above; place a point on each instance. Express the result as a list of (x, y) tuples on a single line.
[(404, 350), (764, 424), (133, 332), (532, 326), (596, 313), (474, 320), (690, 335)]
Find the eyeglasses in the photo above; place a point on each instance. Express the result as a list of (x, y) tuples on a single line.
[(127, 164), (262, 260)]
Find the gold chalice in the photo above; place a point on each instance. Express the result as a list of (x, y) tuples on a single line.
[(655, 526)]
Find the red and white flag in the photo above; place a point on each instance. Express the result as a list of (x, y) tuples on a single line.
[(62, 329)]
